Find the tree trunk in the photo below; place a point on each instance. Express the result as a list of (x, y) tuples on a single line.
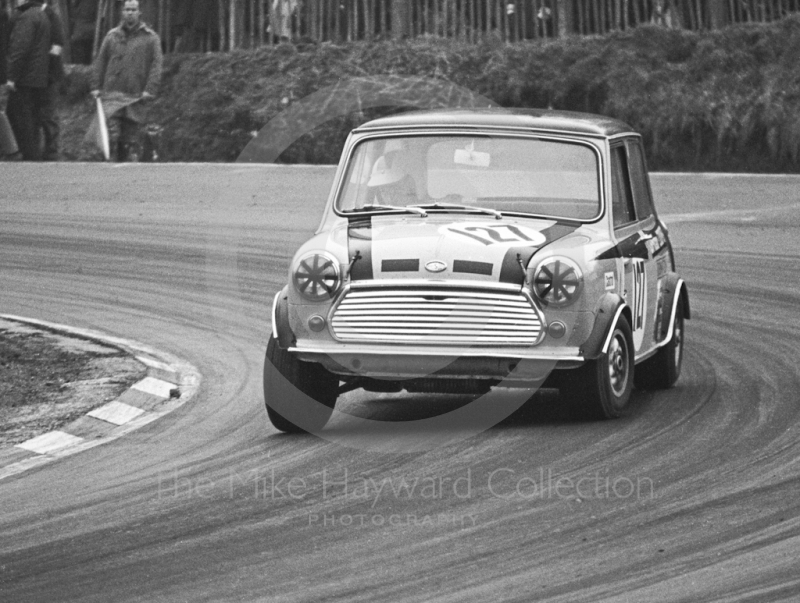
[(718, 13), (563, 16), (232, 24), (400, 14), (262, 22), (168, 26), (98, 23)]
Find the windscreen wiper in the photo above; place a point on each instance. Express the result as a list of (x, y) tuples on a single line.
[(408, 208), (483, 210)]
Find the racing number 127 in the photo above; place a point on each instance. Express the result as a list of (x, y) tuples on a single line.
[(502, 233)]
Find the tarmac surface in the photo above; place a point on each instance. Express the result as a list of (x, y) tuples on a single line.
[(692, 496)]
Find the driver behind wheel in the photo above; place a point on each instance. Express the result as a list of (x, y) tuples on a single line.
[(390, 183)]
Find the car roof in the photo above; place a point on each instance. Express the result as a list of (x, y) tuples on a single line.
[(566, 122)]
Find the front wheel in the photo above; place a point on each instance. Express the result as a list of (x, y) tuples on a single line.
[(299, 396), (601, 388)]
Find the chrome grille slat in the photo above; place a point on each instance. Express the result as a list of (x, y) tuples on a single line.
[(433, 328), (432, 320), (436, 316), (480, 303), (385, 292), (521, 341), (435, 306), (383, 314)]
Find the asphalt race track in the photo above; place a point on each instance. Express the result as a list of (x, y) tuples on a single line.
[(693, 496)]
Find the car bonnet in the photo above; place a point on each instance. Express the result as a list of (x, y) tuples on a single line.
[(465, 248)]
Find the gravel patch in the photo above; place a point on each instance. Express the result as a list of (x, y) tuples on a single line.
[(48, 380)]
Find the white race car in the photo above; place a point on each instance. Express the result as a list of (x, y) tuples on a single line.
[(462, 250)]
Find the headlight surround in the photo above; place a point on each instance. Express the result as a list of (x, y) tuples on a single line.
[(316, 276), (557, 281)]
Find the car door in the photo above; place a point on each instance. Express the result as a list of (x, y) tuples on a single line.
[(634, 225), (654, 235)]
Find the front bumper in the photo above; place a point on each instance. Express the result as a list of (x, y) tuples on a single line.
[(391, 361)]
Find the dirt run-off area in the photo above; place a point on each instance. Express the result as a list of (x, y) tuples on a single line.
[(48, 379)]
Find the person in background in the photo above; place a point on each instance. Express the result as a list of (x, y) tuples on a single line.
[(55, 74), (28, 64), (8, 144), (129, 62), (82, 21), (3, 41)]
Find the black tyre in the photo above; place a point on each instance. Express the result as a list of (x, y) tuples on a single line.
[(662, 370), (601, 388), (299, 396)]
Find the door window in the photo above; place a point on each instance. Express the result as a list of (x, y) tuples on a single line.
[(621, 195), (642, 199)]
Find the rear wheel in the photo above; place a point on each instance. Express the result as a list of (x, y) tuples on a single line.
[(662, 370), (601, 388), (299, 396)]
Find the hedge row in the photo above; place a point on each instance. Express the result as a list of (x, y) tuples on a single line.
[(727, 100)]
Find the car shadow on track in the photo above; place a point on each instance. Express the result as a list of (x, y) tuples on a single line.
[(404, 407), (388, 412), (543, 407)]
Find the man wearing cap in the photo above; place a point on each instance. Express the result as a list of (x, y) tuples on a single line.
[(129, 63)]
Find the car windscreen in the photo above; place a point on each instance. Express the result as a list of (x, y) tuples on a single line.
[(515, 174)]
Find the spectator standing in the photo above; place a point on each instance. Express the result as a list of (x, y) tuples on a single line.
[(3, 41), (55, 74), (129, 63), (28, 66), (664, 14), (83, 17), (8, 145)]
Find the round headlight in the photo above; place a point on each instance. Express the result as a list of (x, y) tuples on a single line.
[(316, 276), (557, 281)]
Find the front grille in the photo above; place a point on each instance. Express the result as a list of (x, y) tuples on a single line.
[(436, 316)]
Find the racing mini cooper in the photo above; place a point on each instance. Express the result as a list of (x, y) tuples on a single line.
[(465, 250)]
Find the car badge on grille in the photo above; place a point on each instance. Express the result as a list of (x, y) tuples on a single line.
[(435, 266)]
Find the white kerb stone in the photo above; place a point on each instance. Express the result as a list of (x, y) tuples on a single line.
[(156, 364), (50, 442), (115, 412), (155, 387)]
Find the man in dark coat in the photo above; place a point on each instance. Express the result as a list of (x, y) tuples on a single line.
[(83, 18), (3, 41), (4, 32), (129, 63), (55, 74), (8, 144), (28, 65)]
